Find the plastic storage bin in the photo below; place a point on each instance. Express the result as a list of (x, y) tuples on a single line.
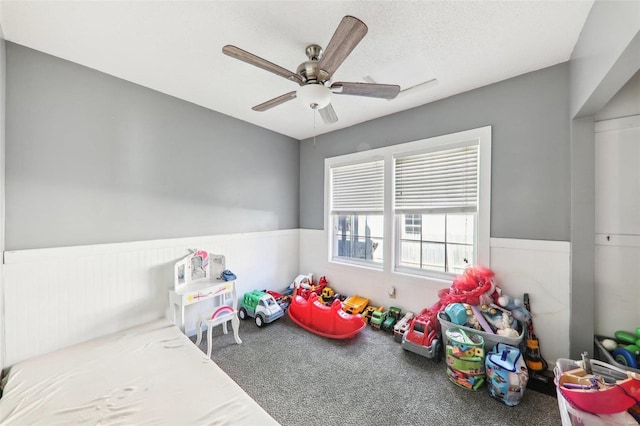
[(490, 340), (604, 355)]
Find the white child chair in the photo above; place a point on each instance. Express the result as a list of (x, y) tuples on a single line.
[(222, 315)]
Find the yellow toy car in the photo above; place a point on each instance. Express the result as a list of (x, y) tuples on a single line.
[(355, 304)]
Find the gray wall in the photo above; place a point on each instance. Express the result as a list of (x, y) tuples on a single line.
[(581, 327), (605, 57), (94, 159), (530, 150)]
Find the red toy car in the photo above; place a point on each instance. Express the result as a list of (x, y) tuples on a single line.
[(305, 289), (423, 335), (283, 300)]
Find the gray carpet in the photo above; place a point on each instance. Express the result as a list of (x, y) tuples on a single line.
[(304, 379)]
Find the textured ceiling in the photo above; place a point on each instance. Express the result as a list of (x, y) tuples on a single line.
[(175, 47)]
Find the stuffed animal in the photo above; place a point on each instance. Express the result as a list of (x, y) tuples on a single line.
[(518, 311)]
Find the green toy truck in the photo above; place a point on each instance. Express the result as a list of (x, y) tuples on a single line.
[(377, 318), (366, 315), (260, 306), (393, 315)]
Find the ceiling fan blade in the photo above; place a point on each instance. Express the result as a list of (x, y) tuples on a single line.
[(250, 58), (275, 102), (347, 36), (372, 90), (328, 115)]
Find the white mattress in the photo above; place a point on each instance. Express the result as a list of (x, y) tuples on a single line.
[(151, 374)]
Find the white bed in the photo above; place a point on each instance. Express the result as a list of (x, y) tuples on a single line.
[(150, 374)]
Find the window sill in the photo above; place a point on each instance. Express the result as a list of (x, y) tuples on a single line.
[(445, 278), (363, 265)]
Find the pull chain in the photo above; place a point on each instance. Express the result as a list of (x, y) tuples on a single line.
[(314, 128)]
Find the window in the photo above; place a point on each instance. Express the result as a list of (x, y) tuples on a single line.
[(419, 208), (359, 237), (437, 192), (357, 203), (444, 244)]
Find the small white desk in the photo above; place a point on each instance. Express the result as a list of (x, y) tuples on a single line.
[(198, 291)]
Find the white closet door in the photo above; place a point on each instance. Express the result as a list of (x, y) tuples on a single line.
[(617, 249), (617, 174)]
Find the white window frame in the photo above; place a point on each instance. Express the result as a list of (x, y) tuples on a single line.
[(483, 137), (329, 225)]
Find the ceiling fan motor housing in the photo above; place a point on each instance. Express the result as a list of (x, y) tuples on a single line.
[(309, 70)]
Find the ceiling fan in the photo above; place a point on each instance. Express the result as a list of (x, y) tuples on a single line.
[(314, 76)]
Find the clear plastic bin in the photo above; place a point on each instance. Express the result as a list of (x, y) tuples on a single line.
[(490, 339)]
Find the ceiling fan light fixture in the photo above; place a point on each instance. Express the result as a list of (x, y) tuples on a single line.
[(314, 95)]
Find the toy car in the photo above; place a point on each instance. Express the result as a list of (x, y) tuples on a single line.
[(305, 288), (260, 306), (402, 326), (283, 300), (302, 286), (377, 318), (355, 304), (423, 335), (366, 315), (327, 296), (393, 315)]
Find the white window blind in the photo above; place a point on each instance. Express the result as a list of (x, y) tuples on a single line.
[(443, 181), (358, 187)]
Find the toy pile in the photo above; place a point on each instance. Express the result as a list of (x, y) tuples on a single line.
[(478, 318), (475, 301), (317, 308), (474, 324)]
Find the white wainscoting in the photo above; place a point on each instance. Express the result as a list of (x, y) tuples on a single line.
[(540, 268), (61, 296)]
